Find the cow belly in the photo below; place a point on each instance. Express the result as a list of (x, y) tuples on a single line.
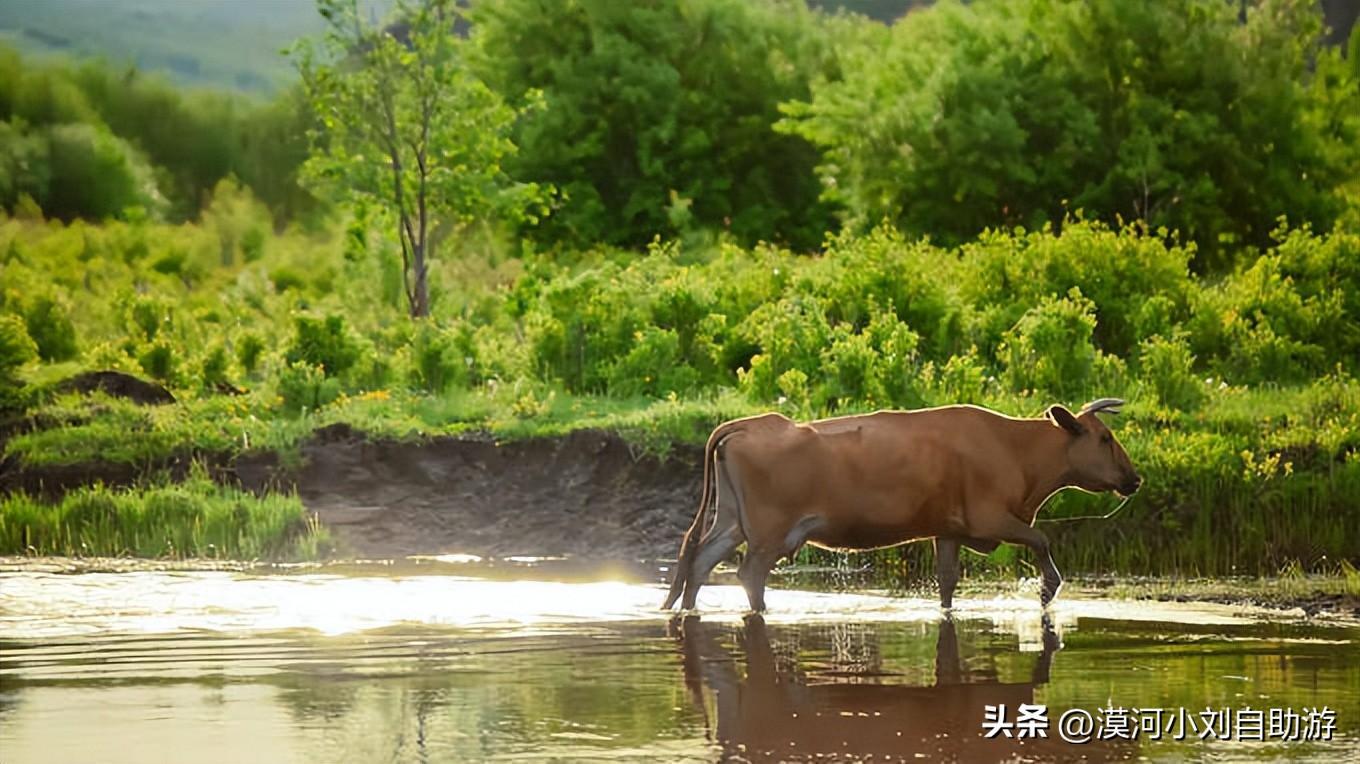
[(862, 537)]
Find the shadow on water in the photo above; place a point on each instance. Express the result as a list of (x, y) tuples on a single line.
[(780, 711)]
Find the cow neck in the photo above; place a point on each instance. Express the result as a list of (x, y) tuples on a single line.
[(1043, 449)]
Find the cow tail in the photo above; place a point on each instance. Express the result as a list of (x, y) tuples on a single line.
[(689, 548)]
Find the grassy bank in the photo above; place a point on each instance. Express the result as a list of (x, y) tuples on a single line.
[(1243, 413), (193, 519)]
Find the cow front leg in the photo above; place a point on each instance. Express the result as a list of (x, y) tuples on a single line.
[(1006, 527), (946, 569)]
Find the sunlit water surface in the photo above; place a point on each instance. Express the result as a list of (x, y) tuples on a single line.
[(176, 667)]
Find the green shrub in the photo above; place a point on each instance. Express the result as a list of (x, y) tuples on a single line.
[(16, 348), (249, 348), (159, 360), (305, 387), (1049, 349), (51, 329), (286, 277), (324, 343), (213, 368), (1258, 326), (962, 379), (147, 315), (789, 334), (1166, 367), (654, 366), (1136, 284), (861, 275), (437, 361)]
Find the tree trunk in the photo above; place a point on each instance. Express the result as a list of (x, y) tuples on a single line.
[(420, 290)]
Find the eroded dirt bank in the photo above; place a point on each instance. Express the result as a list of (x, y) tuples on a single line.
[(585, 494)]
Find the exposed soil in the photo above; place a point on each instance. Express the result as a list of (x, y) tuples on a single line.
[(118, 385), (586, 494)]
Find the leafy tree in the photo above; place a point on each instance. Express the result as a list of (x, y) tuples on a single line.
[(657, 116), (1012, 112), (403, 124), (96, 174)]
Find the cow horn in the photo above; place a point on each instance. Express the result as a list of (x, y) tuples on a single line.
[(1103, 406)]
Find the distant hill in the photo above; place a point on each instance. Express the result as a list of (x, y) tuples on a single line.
[(221, 43), (235, 44)]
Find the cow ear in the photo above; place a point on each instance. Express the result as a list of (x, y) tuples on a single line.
[(1065, 419)]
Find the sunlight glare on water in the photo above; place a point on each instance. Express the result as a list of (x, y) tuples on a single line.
[(47, 605)]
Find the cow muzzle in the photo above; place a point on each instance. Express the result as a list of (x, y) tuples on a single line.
[(1130, 487)]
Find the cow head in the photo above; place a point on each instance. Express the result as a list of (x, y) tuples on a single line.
[(1096, 460)]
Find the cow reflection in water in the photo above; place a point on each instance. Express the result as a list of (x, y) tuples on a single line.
[(779, 713)]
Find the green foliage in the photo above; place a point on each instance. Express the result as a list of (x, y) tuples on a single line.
[(438, 357), (1258, 324), (1166, 366), (196, 518), (323, 344), (1012, 112), (1139, 284), (96, 140), (1049, 349), (95, 174), (658, 117), (51, 328), (653, 366), (305, 387), (159, 360), (16, 349), (214, 367), (248, 351), (146, 316)]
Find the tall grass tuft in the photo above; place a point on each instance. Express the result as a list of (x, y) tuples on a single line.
[(193, 519)]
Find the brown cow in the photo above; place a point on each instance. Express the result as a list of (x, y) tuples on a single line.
[(964, 475)]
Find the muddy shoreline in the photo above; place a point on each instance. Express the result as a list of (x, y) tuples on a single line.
[(587, 494)]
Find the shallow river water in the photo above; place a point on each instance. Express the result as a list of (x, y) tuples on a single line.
[(310, 667)]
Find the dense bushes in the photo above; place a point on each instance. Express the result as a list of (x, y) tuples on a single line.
[(98, 141), (965, 116), (875, 321)]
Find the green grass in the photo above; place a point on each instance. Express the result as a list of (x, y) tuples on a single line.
[(193, 519), (83, 429)]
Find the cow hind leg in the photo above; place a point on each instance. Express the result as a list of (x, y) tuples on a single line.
[(717, 546)]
